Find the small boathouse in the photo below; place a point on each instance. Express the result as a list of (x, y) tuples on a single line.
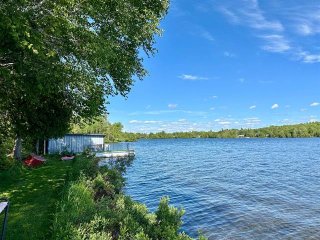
[(76, 143)]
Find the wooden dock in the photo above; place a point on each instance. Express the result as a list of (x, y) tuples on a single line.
[(115, 154), (107, 156)]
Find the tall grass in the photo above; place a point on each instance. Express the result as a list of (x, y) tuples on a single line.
[(94, 207), (77, 200)]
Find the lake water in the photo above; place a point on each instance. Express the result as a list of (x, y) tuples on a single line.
[(233, 188)]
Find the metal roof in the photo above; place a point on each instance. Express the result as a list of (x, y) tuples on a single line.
[(90, 135)]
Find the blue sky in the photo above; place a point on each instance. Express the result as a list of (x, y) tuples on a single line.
[(228, 64)]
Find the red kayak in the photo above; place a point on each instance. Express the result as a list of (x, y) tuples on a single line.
[(34, 160)]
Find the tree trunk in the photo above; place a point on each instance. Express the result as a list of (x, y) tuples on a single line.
[(44, 147), (37, 147), (17, 148)]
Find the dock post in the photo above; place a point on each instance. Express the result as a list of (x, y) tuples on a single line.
[(4, 225)]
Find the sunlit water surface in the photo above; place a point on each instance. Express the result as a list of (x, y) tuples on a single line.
[(233, 188)]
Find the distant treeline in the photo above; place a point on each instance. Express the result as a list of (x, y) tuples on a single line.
[(286, 131), (114, 132)]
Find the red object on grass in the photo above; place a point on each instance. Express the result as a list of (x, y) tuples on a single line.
[(34, 160)]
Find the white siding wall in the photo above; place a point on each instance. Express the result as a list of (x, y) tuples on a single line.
[(74, 143)]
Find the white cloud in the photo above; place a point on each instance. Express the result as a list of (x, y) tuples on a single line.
[(192, 77), (315, 104), (304, 29), (313, 120), (207, 35), (248, 13), (134, 121), (275, 43), (180, 125), (144, 122), (172, 106), (229, 54), (182, 120), (151, 122), (253, 107), (212, 108), (274, 106), (198, 125), (214, 97), (230, 15), (306, 20), (285, 121), (308, 57), (276, 37), (224, 123), (252, 121)]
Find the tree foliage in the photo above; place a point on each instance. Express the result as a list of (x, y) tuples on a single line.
[(286, 131), (59, 60), (113, 131)]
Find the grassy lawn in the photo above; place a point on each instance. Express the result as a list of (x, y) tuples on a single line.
[(78, 200), (33, 194)]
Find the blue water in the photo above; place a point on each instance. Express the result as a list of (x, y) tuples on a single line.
[(233, 188)]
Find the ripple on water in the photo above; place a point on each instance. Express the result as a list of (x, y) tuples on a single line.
[(233, 188)]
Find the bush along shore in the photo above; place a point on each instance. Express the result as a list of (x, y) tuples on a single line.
[(78, 200), (93, 206)]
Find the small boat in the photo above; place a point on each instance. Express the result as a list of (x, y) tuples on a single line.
[(66, 158)]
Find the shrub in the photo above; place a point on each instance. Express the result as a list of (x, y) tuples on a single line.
[(5, 149), (6, 162), (94, 230), (115, 178), (94, 207), (84, 165), (168, 221), (102, 188)]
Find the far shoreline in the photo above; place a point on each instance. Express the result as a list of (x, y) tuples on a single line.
[(302, 130)]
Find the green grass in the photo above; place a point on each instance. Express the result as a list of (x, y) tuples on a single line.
[(33, 194), (77, 200)]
